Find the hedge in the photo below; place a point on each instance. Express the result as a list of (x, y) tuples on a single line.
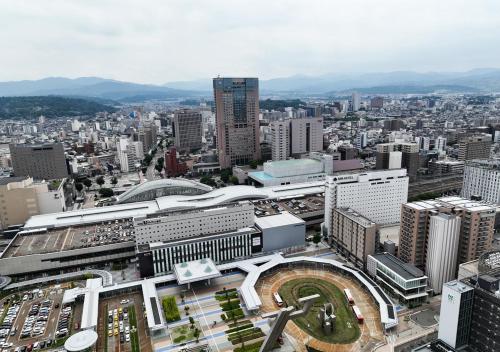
[(170, 309)]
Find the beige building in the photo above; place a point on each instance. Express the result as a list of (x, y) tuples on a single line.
[(474, 147), (21, 198), (353, 235), (237, 120), (476, 229)]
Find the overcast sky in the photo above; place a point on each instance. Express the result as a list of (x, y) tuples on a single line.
[(166, 40)]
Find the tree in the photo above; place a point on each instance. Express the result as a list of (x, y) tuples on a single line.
[(317, 238), (191, 321), (182, 297), (234, 180), (100, 181), (186, 309), (253, 164), (225, 175), (159, 168), (106, 192), (208, 180), (114, 181), (79, 187), (196, 335), (87, 182), (147, 159)]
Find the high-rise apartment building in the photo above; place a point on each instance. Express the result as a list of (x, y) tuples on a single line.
[(280, 139), (441, 144), (188, 130), (130, 154), (474, 147), (237, 120), (442, 251), (355, 101), (376, 195), (353, 235), (41, 161), (147, 135), (476, 229), (482, 178), (399, 155)]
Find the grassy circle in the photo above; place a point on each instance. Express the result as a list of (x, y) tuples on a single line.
[(346, 326)]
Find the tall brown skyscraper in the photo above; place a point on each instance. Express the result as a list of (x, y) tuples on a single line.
[(237, 120)]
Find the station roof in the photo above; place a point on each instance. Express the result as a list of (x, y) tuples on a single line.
[(196, 270), (177, 202)]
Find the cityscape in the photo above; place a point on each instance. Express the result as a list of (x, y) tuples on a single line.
[(256, 201)]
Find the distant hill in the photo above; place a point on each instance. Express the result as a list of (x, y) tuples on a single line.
[(403, 82), (409, 89), (48, 106), (93, 87)]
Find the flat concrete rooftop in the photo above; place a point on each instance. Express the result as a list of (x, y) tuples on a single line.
[(73, 237)]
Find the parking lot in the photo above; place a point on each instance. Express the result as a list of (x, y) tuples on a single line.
[(36, 319), (121, 324)]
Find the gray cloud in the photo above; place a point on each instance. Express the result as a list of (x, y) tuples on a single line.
[(157, 41)]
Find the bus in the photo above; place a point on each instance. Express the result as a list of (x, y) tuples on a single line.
[(348, 296), (277, 299), (358, 314)]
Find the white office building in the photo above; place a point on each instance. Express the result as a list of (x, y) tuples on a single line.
[(441, 144), (482, 178), (442, 250), (456, 305), (185, 224), (377, 195)]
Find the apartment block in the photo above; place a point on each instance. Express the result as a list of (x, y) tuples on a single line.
[(476, 228), (353, 235)]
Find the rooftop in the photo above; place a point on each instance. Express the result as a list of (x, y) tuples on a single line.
[(196, 270), (74, 237), (406, 271), (283, 219)]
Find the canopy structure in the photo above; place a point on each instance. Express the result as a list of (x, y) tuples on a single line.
[(196, 270), (81, 341)]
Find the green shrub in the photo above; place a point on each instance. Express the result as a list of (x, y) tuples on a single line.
[(170, 309), (238, 328), (179, 338), (231, 305), (253, 347)]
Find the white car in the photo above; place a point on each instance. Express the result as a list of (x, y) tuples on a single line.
[(124, 301), (127, 337)]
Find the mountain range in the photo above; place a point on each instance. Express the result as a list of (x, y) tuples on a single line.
[(485, 80), (94, 87), (477, 80)]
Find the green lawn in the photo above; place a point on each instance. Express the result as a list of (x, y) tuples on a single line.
[(134, 336), (346, 326), (184, 333)]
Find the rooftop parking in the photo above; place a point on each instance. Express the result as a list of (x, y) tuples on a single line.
[(73, 237), (296, 205)]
